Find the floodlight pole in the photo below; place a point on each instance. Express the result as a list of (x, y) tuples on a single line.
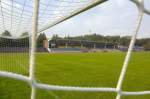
[(33, 47)]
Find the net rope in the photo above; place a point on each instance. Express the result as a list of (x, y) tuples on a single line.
[(40, 13), (16, 15)]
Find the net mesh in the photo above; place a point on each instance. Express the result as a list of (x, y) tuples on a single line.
[(16, 52), (16, 15), (14, 55)]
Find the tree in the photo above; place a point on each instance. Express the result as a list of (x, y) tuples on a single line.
[(146, 43), (40, 39), (125, 40), (56, 37), (24, 34), (147, 46), (6, 33)]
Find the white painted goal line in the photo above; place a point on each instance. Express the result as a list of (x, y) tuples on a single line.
[(31, 79)]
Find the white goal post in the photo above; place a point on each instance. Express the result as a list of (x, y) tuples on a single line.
[(31, 80)]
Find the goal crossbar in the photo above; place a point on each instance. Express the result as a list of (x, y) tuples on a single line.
[(74, 13)]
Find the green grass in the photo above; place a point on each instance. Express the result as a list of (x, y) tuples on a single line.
[(76, 69)]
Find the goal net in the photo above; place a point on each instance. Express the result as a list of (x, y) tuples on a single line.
[(25, 19), (14, 54)]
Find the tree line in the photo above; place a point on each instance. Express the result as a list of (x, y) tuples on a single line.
[(124, 41)]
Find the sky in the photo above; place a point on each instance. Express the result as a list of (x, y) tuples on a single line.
[(114, 17)]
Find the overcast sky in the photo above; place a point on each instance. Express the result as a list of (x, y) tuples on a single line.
[(114, 17)]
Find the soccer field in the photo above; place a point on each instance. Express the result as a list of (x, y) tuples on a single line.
[(76, 69)]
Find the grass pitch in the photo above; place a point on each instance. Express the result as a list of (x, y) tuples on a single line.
[(76, 69)]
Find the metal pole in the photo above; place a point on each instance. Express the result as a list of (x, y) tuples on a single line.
[(131, 46), (33, 47), (94, 46)]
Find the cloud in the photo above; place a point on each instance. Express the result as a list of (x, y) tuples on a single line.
[(121, 3), (115, 17)]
